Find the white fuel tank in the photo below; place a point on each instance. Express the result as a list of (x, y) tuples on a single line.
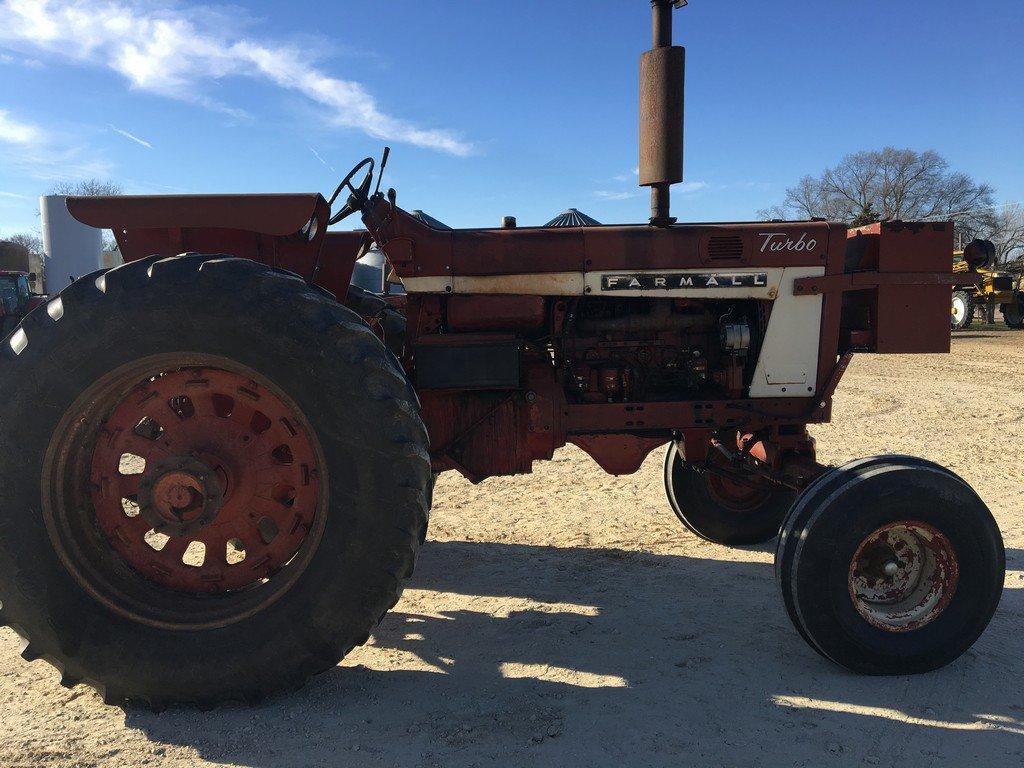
[(72, 249)]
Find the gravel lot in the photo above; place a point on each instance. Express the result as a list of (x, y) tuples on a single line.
[(567, 619)]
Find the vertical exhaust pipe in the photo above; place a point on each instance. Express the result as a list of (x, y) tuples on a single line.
[(662, 76)]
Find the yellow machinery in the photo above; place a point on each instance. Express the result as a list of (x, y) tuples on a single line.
[(996, 289)]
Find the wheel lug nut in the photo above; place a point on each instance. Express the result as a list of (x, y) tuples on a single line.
[(891, 568)]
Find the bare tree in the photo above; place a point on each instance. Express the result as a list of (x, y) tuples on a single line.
[(33, 246), (91, 188), (31, 243), (87, 188), (891, 184), (1008, 233)]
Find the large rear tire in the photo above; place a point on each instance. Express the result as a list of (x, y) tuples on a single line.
[(719, 510), (890, 566), (215, 481)]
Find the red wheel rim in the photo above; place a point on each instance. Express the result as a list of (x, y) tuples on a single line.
[(204, 481), (731, 495), (903, 576)]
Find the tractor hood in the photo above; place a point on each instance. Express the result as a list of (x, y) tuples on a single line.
[(277, 215)]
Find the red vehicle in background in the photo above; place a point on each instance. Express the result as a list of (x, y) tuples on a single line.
[(16, 299)]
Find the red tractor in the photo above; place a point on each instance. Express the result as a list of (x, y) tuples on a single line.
[(16, 299), (217, 460)]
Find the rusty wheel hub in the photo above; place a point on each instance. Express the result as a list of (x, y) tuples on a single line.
[(734, 496), (204, 481), (180, 496), (729, 494), (903, 576)]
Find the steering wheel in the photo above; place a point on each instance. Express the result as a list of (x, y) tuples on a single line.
[(357, 198)]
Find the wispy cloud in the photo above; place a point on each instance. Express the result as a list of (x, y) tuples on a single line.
[(129, 136), (180, 54), (686, 188), (144, 187), (6, 58), (627, 176), (15, 132), (604, 194), (317, 156), (761, 185), (14, 195), (28, 150), (55, 163)]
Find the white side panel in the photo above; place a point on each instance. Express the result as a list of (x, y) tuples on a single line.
[(427, 284), (788, 364), (708, 284), (540, 284)]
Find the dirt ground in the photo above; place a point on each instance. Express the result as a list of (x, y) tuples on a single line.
[(567, 619)]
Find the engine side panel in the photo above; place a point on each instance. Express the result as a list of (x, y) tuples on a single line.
[(787, 365)]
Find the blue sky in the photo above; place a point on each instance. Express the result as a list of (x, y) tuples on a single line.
[(496, 108)]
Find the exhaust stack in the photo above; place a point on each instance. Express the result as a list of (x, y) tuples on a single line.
[(662, 76)]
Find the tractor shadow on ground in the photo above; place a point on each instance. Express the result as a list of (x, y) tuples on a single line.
[(544, 655)]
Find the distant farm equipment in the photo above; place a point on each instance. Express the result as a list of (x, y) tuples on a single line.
[(994, 289)]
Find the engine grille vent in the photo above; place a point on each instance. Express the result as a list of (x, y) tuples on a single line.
[(721, 247)]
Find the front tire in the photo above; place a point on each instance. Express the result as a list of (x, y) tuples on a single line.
[(719, 510), (890, 566), (211, 401), (962, 311)]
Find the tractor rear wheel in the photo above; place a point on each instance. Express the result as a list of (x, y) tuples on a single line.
[(215, 481), (719, 509), (962, 311), (890, 565)]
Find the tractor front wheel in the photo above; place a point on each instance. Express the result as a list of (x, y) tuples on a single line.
[(719, 508), (215, 481), (962, 311), (890, 566)]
